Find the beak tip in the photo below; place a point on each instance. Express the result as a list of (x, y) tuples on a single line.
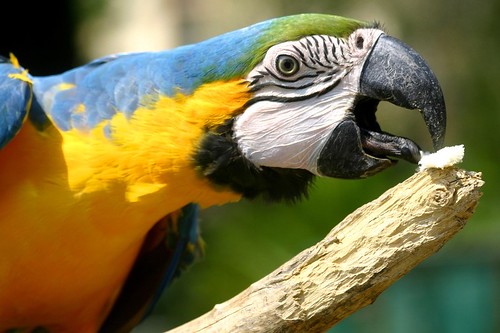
[(435, 120)]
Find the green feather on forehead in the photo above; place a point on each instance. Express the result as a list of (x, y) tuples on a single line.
[(294, 27)]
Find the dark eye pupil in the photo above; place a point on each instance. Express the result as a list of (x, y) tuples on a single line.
[(287, 65)]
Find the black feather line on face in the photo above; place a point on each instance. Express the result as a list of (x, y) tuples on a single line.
[(219, 159)]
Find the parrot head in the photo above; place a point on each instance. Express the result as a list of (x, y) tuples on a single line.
[(315, 84)]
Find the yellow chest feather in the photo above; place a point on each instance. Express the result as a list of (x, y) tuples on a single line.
[(76, 205)]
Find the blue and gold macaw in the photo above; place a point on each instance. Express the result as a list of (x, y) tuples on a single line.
[(103, 167)]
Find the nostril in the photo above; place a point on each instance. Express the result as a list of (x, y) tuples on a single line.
[(360, 41)]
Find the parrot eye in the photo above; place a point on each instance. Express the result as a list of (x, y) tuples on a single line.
[(287, 65)]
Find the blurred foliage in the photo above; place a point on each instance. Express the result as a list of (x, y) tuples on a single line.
[(454, 291)]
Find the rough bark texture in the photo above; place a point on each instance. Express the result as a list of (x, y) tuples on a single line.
[(362, 256)]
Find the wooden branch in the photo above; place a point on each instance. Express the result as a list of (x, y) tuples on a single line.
[(362, 256)]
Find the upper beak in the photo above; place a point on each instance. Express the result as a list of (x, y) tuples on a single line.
[(392, 72)]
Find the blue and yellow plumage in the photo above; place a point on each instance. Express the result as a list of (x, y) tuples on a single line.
[(103, 168)]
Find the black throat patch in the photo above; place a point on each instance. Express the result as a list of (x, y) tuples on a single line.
[(219, 159)]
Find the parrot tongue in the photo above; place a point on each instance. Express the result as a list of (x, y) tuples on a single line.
[(384, 145)]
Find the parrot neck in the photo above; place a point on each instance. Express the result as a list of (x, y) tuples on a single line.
[(220, 159), (150, 155)]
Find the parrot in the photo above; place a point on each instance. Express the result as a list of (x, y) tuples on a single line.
[(105, 168)]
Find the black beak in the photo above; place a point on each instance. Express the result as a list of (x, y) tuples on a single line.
[(393, 72)]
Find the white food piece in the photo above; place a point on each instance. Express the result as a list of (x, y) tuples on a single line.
[(441, 159)]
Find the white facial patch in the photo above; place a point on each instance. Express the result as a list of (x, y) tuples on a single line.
[(290, 135), (295, 109)]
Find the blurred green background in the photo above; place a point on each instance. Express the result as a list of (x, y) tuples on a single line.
[(456, 290)]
